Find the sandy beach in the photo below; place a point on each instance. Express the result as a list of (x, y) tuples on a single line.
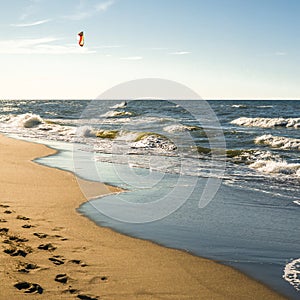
[(49, 251)]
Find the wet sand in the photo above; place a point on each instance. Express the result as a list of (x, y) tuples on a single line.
[(49, 251)]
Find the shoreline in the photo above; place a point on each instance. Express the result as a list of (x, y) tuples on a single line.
[(88, 259)]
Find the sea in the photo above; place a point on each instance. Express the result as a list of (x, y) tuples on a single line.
[(217, 179)]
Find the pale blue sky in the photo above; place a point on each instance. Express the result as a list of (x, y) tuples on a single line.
[(222, 49)]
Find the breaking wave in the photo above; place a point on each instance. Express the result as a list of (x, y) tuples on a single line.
[(274, 167), (153, 141), (292, 273), (116, 114), (278, 142), (26, 120), (239, 106), (180, 128), (264, 162), (31, 125), (86, 131), (120, 105), (267, 122)]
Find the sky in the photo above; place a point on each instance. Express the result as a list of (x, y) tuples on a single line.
[(221, 49)]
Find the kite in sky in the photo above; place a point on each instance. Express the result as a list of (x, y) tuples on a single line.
[(81, 39)]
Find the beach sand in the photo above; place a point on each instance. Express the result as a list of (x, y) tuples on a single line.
[(49, 251)]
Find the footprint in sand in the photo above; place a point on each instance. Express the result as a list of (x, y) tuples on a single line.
[(71, 290), (16, 244), (3, 221), (4, 230), (4, 205), (60, 237), (87, 297), (78, 262), (40, 235), (17, 239), (62, 278), (27, 226), (29, 287), (24, 267), (19, 217), (48, 246), (16, 251), (57, 260), (8, 212)]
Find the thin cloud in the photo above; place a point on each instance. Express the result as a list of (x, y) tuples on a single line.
[(180, 53), (31, 24), (39, 46), (132, 58), (104, 5)]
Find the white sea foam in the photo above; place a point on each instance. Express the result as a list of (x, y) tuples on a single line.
[(26, 120), (179, 128), (239, 106), (267, 122), (278, 142), (31, 125), (9, 109), (113, 114), (155, 142), (85, 131), (251, 156), (276, 167), (5, 118), (264, 106), (34, 126), (292, 273)]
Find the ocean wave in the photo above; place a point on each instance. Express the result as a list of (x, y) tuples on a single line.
[(115, 114), (106, 134), (249, 156), (292, 273), (180, 128), (265, 162), (38, 126), (278, 142), (239, 106), (120, 105), (86, 131), (9, 109), (267, 122), (26, 120), (153, 141), (264, 106), (31, 125), (297, 202), (240, 156), (274, 167), (133, 142)]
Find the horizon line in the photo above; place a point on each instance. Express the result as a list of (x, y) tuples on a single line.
[(118, 99)]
